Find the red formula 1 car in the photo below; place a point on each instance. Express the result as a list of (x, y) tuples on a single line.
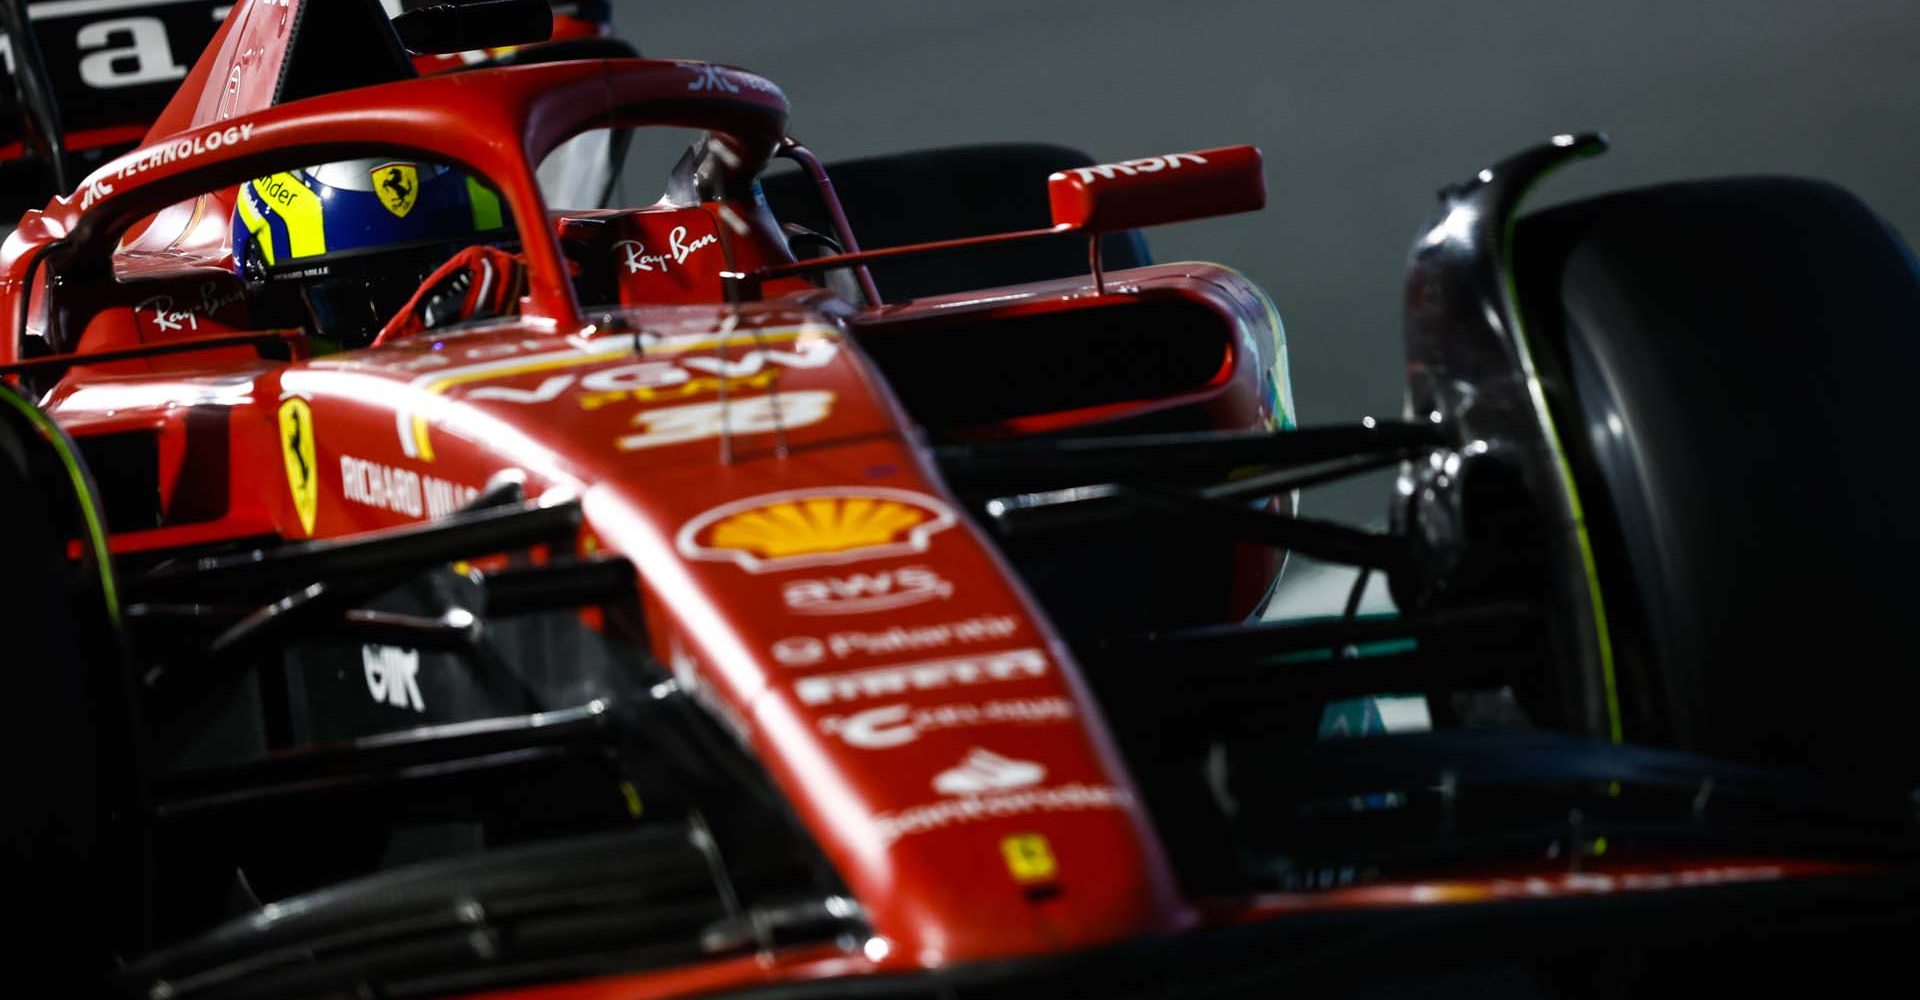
[(426, 588)]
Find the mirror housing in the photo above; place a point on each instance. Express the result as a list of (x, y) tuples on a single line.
[(446, 28), (1110, 197)]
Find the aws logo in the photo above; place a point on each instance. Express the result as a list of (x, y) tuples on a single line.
[(800, 528), (861, 593)]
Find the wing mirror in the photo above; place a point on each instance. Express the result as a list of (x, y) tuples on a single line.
[(445, 28)]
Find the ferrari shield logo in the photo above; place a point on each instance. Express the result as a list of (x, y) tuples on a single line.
[(398, 185), (1029, 857), (296, 445)]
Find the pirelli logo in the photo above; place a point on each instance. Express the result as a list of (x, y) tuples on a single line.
[(931, 675)]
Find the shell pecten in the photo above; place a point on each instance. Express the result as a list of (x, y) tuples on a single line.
[(817, 525), (806, 527)]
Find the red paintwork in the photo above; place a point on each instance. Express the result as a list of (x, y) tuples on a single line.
[(408, 429), (1156, 190)]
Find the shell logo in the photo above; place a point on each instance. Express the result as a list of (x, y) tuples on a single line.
[(817, 527)]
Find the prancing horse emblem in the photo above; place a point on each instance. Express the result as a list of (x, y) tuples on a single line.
[(296, 446), (398, 185)]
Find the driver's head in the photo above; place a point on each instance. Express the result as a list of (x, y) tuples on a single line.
[(356, 237)]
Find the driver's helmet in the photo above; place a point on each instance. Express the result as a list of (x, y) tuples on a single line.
[(358, 236)]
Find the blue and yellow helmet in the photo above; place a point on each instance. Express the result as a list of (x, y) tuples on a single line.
[(350, 242), (303, 218)]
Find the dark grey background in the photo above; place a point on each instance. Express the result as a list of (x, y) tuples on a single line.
[(1362, 108)]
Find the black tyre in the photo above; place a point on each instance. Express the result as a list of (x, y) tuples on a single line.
[(68, 842), (1731, 364)]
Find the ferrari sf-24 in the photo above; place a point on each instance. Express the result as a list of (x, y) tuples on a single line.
[(431, 579)]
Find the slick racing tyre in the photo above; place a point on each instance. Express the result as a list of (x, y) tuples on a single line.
[(66, 847), (1727, 362)]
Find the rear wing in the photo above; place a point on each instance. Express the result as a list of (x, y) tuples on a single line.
[(1090, 201)]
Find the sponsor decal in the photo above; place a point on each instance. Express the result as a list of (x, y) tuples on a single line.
[(897, 725), (1129, 168), (296, 448), (672, 425), (634, 254), (166, 154), (280, 190), (114, 59), (677, 389), (165, 318), (393, 676), (401, 491), (719, 79), (712, 78), (1029, 857), (398, 187), (861, 593), (801, 528), (654, 380), (119, 52), (215, 296), (647, 378), (659, 381), (901, 639), (185, 149), (801, 651), (160, 310), (982, 771), (1069, 798), (93, 192), (931, 675)]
